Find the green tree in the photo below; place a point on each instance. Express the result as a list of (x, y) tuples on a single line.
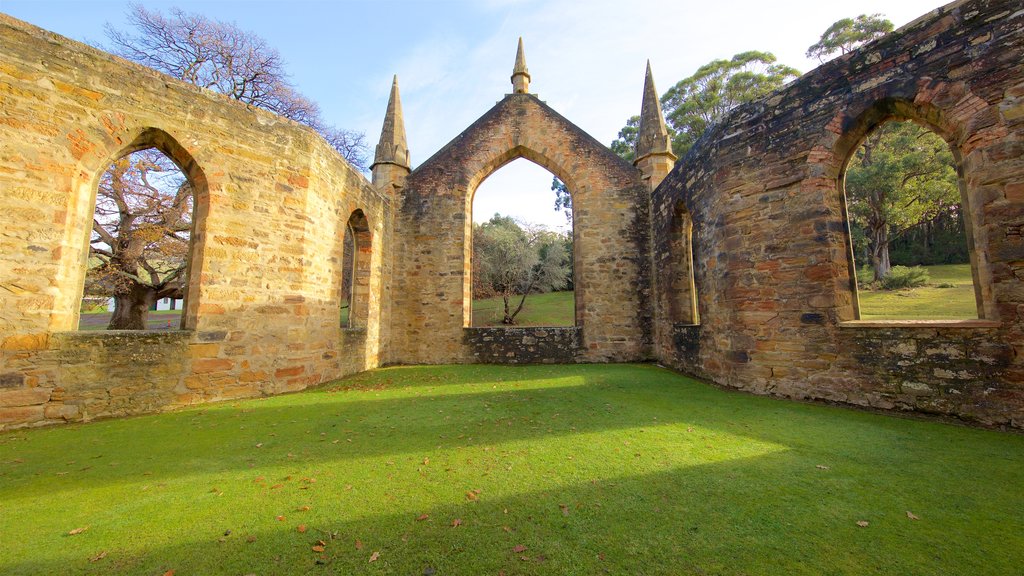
[(512, 260), (902, 177), (698, 101), (849, 33), (717, 87), (625, 144)]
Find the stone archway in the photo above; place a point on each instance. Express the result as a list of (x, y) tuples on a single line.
[(432, 289)]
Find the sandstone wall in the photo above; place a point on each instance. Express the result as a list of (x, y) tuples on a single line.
[(262, 313), (772, 258), (432, 296)]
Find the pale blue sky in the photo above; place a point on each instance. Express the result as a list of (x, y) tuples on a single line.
[(454, 58)]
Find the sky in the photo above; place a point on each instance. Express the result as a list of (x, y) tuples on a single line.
[(454, 58)]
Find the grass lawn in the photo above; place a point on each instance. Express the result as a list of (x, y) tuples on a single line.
[(592, 469), (927, 302), (551, 309)]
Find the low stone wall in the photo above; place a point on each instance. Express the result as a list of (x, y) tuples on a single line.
[(528, 345), (84, 375)]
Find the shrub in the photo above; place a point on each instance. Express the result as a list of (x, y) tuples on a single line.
[(904, 277), (865, 276)]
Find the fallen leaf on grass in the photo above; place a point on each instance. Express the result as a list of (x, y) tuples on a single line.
[(250, 539), (456, 523), (912, 516), (862, 523), (78, 530), (374, 556), (359, 544), (98, 557), (302, 509), (524, 558), (519, 548), (506, 529), (565, 509), (259, 444), (472, 496), (280, 518), (318, 548), (422, 517), (821, 467), (169, 573), (301, 528), (276, 486)]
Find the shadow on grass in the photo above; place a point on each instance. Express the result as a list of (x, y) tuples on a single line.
[(769, 514), (658, 474)]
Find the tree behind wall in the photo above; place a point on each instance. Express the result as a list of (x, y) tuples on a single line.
[(226, 59), (900, 179), (140, 236), (512, 260)]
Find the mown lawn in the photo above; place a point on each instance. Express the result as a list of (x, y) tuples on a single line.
[(926, 302), (551, 309), (590, 469)]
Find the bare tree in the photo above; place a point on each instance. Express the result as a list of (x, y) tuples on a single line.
[(226, 59), (140, 236), (512, 259)]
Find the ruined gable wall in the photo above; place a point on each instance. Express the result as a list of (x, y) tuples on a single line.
[(263, 303), (610, 215), (771, 244)]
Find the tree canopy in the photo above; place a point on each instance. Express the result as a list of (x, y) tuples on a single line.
[(900, 178), (140, 236), (226, 59), (849, 33), (698, 101), (512, 260)]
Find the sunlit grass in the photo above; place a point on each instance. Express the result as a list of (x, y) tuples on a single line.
[(590, 469), (954, 300), (550, 309)]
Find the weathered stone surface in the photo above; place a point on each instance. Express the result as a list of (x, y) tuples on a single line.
[(771, 245), (272, 202), (431, 299), (766, 303), (526, 345)]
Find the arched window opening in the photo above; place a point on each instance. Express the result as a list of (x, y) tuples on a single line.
[(140, 245), (682, 288), (355, 271), (522, 249), (910, 229)]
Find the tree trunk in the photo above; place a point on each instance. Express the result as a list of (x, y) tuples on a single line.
[(880, 252), (509, 317), (132, 309)]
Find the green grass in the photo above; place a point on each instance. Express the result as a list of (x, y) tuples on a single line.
[(551, 309), (927, 302), (592, 469)]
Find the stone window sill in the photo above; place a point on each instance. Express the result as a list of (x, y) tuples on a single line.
[(920, 324), (353, 329)]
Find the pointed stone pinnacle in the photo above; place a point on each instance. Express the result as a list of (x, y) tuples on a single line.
[(393, 148), (652, 134), (520, 74)]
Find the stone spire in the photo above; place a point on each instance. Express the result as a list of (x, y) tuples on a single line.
[(654, 155), (520, 75), (391, 159)]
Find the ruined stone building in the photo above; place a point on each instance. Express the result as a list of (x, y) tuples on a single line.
[(733, 263)]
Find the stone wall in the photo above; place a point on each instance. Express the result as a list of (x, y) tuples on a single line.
[(772, 257), (262, 312), (526, 345), (761, 194), (432, 302)]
